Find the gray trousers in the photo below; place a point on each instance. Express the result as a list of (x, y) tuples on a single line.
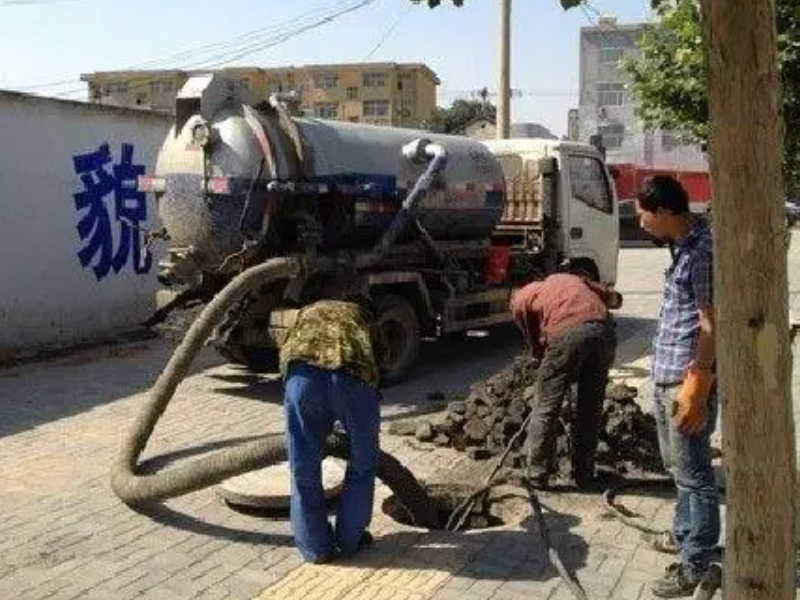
[(583, 354)]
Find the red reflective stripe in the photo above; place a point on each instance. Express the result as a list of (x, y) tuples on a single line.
[(219, 185), (146, 183)]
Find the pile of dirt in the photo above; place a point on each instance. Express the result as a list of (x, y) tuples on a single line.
[(485, 421)]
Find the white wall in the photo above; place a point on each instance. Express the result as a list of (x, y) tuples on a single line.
[(47, 298)]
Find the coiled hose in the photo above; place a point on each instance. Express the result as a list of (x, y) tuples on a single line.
[(134, 488)]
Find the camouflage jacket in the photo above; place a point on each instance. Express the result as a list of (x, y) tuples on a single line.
[(331, 334)]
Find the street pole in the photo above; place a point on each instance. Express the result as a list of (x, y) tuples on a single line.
[(751, 298), (504, 91)]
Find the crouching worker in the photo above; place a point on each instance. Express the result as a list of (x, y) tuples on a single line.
[(566, 325), (330, 374)]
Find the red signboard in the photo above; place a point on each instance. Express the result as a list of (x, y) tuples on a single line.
[(628, 179)]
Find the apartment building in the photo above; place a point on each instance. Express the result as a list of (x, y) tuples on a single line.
[(607, 106), (395, 94)]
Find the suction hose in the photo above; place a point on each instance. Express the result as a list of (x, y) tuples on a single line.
[(134, 488)]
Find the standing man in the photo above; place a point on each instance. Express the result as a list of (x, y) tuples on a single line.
[(682, 373), (566, 324), (330, 375)]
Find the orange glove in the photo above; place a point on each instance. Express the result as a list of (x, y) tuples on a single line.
[(690, 409)]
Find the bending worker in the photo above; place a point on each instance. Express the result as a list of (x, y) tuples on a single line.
[(330, 375), (566, 324)]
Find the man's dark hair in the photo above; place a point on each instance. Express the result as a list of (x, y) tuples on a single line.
[(663, 191)]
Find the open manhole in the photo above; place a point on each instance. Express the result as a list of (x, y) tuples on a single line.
[(447, 498)]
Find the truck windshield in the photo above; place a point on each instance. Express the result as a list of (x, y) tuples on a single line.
[(589, 184)]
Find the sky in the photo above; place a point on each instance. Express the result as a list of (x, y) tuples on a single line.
[(53, 41)]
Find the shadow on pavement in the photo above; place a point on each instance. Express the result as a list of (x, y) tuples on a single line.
[(510, 554), (166, 516), (38, 393)]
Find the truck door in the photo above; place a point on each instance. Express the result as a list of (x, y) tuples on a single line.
[(591, 221)]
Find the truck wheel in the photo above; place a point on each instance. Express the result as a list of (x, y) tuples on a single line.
[(399, 328), (258, 360)]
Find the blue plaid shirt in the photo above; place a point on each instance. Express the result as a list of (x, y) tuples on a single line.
[(687, 287)]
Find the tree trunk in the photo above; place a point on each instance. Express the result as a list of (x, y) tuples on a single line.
[(753, 350)]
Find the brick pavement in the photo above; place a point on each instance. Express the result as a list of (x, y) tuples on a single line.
[(63, 535)]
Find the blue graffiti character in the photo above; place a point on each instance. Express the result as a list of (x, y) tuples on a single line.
[(130, 208)]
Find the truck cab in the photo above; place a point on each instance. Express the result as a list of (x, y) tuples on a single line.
[(560, 203)]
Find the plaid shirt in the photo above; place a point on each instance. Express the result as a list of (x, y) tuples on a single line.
[(688, 286)]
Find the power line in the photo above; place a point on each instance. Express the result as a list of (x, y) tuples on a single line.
[(239, 45), (388, 32), (238, 53), (515, 92), (244, 37), (234, 42)]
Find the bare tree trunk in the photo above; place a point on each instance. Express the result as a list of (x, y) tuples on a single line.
[(753, 350)]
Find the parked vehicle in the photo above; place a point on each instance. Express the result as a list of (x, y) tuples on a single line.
[(437, 230)]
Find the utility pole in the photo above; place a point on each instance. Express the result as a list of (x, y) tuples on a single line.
[(751, 298), (504, 91)]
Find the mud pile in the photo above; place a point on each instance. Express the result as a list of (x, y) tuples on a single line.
[(485, 421)]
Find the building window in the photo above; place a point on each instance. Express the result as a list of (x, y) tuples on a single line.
[(160, 87), (613, 134), (611, 56), (326, 82), (376, 108), (406, 108), (610, 94), (326, 110), (245, 83), (118, 87), (352, 93), (374, 79)]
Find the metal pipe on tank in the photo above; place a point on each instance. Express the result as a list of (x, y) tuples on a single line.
[(416, 151)]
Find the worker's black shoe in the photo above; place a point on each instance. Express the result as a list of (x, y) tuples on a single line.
[(325, 558), (366, 540), (676, 583)]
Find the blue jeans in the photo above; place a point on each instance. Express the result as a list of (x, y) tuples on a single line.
[(688, 458), (314, 398)]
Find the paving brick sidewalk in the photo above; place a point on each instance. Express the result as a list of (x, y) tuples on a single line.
[(64, 535)]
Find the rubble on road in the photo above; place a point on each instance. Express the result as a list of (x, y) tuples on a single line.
[(483, 423)]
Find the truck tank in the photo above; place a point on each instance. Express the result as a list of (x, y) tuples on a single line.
[(234, 171)]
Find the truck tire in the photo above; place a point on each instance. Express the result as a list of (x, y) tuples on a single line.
[(258, 360), (399, 327)]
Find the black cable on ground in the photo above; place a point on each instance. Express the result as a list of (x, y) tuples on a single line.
[(625, 516), (567, 576)]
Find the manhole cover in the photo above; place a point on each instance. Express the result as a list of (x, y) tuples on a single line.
[(270, 487)]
